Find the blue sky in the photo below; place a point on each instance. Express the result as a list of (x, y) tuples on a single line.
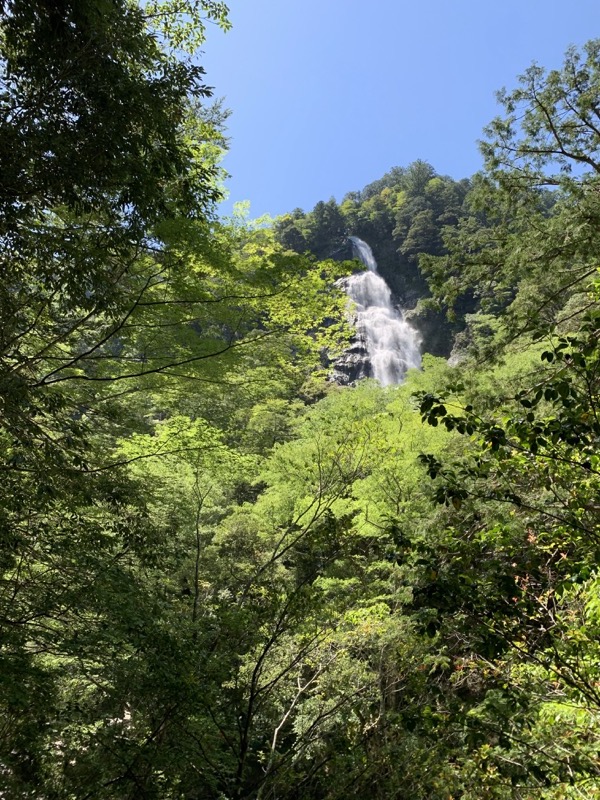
[(327, 95)]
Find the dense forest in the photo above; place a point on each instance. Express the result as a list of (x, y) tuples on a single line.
[(223, 575)]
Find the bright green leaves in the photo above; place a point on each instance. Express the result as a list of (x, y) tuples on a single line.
[(222, 576), (520, 499), (183, 22), (137, 338)]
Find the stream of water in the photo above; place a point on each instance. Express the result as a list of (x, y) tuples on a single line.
[(392, 344)]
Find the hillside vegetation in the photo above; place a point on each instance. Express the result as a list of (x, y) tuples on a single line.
[(222, 575)]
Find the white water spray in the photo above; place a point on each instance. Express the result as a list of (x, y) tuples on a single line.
[(392, 345)]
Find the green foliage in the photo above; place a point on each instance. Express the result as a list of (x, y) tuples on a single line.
[(521, 502), (118, 295), (223, 576), (517, 498), (182, 23), (537, 200)]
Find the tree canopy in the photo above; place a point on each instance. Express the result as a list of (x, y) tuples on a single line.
[(221, 574)]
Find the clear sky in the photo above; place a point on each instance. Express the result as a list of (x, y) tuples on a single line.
[(327, 95)]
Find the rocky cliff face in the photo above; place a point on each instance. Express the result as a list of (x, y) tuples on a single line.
[(354, 364)]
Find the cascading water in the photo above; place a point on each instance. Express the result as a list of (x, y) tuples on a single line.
[(392, 346)]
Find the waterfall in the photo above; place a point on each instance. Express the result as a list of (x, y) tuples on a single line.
[(392, 345)]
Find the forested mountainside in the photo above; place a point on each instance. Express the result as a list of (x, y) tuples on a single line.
[(223, 575), (402, 217), (409, 217)]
